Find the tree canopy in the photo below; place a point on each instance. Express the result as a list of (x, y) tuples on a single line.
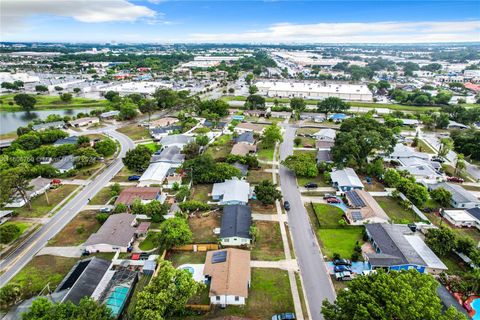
[(303, 164), (87, 309), (204, 169), (266, 192), (271, 136), (332, 105), (25, 101), (173, 232), (138, 159)]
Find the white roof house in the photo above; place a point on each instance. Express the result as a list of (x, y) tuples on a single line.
[(179, 140), (461, 198), (460, 218), (428, 256), (422, 170), (155, 174), (326, 135), (231, 192), (346, 180), (401, 151)]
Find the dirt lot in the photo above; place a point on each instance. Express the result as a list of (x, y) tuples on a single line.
[(258, 207), (202, 227), (77, 231)]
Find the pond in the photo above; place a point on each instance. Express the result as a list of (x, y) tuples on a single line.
[(10, 121)]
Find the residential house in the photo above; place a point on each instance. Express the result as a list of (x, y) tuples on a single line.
[(424, 171), (242, 167), (324, 144), (456, 125), (235, 226), (145, 194), (345, 180), (281, 114), (325, 135), (316, 117), (247, 126), (84, 121), (410, 122), (362, 208), (177, 140), (228, 272), (397, 247), (461, 198), (68, 140), (324, 155), (115, 234), (221, 125), (255, 113), (159, 132), (163, 122), (64, 164), (142, 229), (155, 174), (242, 149), (246, 137), (49, 125), (401, 151), (38, 186), (231, 192), (109, 114), (172, 155), (461, 218)]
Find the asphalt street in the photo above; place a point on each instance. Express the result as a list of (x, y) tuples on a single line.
[(16, 260), (316, 280)]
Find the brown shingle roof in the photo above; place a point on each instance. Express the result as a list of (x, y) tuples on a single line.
[(116, 231), (231, 277), (128, 195), (250, 126), (242, 149)]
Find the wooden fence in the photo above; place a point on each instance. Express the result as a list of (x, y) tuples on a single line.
[(202, 247), (200, 307)]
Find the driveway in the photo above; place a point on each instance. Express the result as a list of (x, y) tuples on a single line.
[(316, 280)]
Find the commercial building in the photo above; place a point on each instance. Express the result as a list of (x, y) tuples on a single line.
[(314, 90)]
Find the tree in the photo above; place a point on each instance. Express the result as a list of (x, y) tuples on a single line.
[(166, 294), (441, 240), (120, 208), (394, 295), (271, 136), (442, 121), (128, 111), (359, 138), (459, 164), (252, 89), (87, 309), (213, 109), (25, 101), (8, 232), (85, 157), (332, 105), (249, 78), (443, 97), (254, 102), (15, 181), (156, 210), (201, 140), (66, 97), (166, 98), (446, 145), (138, 159), (101, 217), (204, 169), (10, 295), (266, 192), (76, 90), (173, 232), (297, 141), (298, 104), (148, 106), (467, 142), (41, 88), (106, 147), (191, 150), (112, 96), (303, 164), (441, 196)]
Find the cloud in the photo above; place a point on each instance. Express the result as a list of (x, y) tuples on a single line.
[(358, 32), (15, 13)]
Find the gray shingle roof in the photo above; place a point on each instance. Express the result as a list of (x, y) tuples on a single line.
[(172, 154), (116, 231), (55, 124), (176, 139), (236, 221), (246, 137), (459, 194)]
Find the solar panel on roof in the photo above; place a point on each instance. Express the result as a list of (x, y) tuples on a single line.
[(220, 256), (356, 215), (355, 199)]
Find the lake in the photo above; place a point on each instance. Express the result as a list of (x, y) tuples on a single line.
[(10, 121)]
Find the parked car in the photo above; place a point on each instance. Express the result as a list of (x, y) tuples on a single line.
[(455, 179), (342, 262), (342, 268), (438, 159), (343, 276), (333, 200), (284, 316), (286, 205), (133, 178), (311, 185), (328, 195), (106, 210)]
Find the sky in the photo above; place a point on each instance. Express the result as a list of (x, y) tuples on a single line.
[(247, 21)]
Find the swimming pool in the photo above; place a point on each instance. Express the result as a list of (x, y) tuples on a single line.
[(475, 304)]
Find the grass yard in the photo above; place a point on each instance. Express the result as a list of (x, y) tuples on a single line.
[(341, 241), (202, 228), (422, 146), (454, 264), (122, 175), (182, 257), (318, 180), (152, 146), (268, 244), (23, 226), (257, 176), (395, 210), (102, 197), (135, 132), (258, 207), (39, 203), (472, 233), (264, 154), (45, 102), (200, 192), (76, 231), (9, 135), (40, 271), (302, 297), (220, 151), (313, 152), (307, 131), (328, 215), (149, 242), (87, 172), (306, 141), (471, 188)]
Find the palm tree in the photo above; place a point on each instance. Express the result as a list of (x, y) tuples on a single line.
[(459, 164)]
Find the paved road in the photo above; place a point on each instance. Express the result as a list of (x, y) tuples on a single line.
[(14, 262), (316, 279)]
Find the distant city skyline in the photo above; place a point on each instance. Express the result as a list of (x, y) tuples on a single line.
[(270, 21)]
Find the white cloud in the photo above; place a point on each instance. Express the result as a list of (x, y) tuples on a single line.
[(15, 13), (359, 32)]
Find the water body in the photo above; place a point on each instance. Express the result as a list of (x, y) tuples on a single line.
[(10, 121)]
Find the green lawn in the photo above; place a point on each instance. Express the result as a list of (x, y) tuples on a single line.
[(135, 132), (318, 180), (257, 176), (268, 244), (45, 102), (202, 228), (23, 226), (265, 154), (422, 146), (341, 241), (122, 175), (39, 203), (40, 271), (9, 135), (307, 131), (219, 151), (395, 211), (328, 215), (102, 197), (149, 242), (152, 146), (306, 141), (182, 257), (200, 192)]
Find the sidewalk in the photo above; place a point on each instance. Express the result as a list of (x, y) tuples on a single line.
[(69, 252)]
